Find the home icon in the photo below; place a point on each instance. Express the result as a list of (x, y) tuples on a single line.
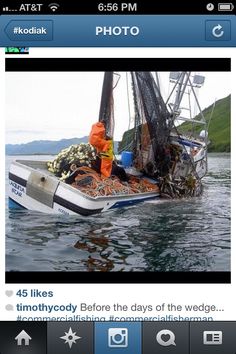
[(23, 337)]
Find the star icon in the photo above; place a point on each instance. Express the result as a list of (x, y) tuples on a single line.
[(70, 337)]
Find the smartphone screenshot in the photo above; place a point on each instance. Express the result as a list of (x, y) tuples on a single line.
[(116, 121)]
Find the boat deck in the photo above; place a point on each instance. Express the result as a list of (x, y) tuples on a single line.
[(99, 187)]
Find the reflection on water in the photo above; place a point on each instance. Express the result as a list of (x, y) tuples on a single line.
[(186, 235)]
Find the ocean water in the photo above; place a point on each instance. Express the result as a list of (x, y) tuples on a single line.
[(160, 235)]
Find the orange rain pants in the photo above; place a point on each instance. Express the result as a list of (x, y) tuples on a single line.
[(97, 138)]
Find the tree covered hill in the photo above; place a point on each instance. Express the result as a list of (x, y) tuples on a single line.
[(219, 127), (218, 133)]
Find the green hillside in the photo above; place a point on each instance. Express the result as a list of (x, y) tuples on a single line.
[(219, 129)]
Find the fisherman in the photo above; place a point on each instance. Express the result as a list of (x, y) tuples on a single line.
[(105, 163), (104, 147)]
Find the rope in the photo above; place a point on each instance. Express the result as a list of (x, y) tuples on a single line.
[(97, 186)]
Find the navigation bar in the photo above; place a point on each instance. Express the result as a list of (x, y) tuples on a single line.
[(118, 31), (62, 337)]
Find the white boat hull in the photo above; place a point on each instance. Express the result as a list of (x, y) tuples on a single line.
[(32, 187)]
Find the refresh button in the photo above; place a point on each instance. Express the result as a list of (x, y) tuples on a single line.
[(218, 30)]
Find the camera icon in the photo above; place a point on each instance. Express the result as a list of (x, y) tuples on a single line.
[(117, 337)]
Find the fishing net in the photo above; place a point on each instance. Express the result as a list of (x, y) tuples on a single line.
[(154, 151), (106, 113), (151, 122), (70, 158)]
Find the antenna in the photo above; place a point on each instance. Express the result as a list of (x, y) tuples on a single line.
[(53, 6)]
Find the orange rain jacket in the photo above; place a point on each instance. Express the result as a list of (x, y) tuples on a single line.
[(97, 138)]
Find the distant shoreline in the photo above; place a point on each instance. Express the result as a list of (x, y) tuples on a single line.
[(33, 154), (51, 154)]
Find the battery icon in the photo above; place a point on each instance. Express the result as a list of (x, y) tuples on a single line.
[(225, 6)]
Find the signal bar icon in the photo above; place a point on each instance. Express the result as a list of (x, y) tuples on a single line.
[(5, 9), (53, 6)]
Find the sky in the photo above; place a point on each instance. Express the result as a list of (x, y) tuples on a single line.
[(64, 105)]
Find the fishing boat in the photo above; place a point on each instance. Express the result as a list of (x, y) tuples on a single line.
[(162, 161)]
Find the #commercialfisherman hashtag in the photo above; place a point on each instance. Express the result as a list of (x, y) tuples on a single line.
[(18, 318)]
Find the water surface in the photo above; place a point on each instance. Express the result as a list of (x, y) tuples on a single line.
[(160, 235)]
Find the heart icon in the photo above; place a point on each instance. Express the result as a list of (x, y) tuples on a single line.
[(9, 293), (165, 337)]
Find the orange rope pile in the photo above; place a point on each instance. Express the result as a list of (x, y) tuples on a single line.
[(98, 185)]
